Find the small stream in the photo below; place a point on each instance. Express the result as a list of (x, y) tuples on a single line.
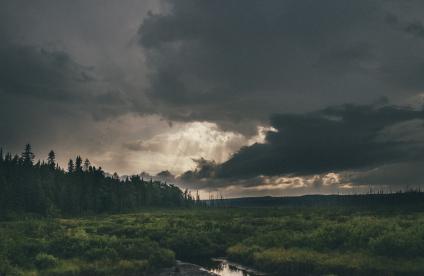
[(223, 267), (212, 267)]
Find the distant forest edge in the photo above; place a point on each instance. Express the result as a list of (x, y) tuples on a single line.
[(413, 198), (47, 189)]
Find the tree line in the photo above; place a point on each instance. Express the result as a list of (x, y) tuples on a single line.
[(46, 188)]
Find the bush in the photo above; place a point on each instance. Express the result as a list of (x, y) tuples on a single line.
[(44, 261), (288, 262), (6, 268), (125, 267), (67, 246), (243, 253), (331, 236), (64, 268), (189, 245), (162, 258), (136, 248), (100, 254), (398, 244), (24, 250)]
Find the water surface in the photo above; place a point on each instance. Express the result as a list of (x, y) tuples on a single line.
[(222, 267)]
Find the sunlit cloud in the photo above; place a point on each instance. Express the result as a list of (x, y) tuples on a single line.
[(175, 148)]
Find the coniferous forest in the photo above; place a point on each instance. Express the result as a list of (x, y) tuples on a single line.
[(43, 187)]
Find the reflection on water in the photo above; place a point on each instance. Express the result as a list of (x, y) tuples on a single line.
[(226, 270), (223, 268)]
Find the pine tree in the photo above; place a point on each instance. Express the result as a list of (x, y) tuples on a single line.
[(86, 165), (28, 156), (71, 166), (78, 164), (51, 159)]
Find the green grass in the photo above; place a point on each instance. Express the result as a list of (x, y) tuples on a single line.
[(289, 241)]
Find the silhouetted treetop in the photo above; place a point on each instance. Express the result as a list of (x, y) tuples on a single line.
[(27, 155), (71, 167), (51, 159)]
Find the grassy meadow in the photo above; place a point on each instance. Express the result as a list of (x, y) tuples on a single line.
[(280, 241)]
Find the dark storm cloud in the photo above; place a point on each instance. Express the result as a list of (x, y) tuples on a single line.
[(415, 28), (239, 61), (335, 139), (204, 169), (53, 76), (165, 176), (31, 71), (41, 61)]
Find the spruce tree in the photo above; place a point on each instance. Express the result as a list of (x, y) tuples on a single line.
[(70, 166), (86, 166), (78, 164), (28, 156), (51, 159)]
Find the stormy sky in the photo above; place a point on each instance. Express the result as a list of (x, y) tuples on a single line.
[(237, 97)]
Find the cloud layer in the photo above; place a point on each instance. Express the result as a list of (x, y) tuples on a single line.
[(335, 139), (233, 62)]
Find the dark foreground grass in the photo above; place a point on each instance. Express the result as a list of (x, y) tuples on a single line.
[(283, 241)]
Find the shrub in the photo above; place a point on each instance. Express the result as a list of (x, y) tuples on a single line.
[(6, 268), (23, 251), (100, 254), (397, 244), (125, 267), (289, 262), (135, 248), (189, 245), (243, 253), (363, 229), (331, 236), (162, 258), (64, 268), (67, 246), (44, 261)]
